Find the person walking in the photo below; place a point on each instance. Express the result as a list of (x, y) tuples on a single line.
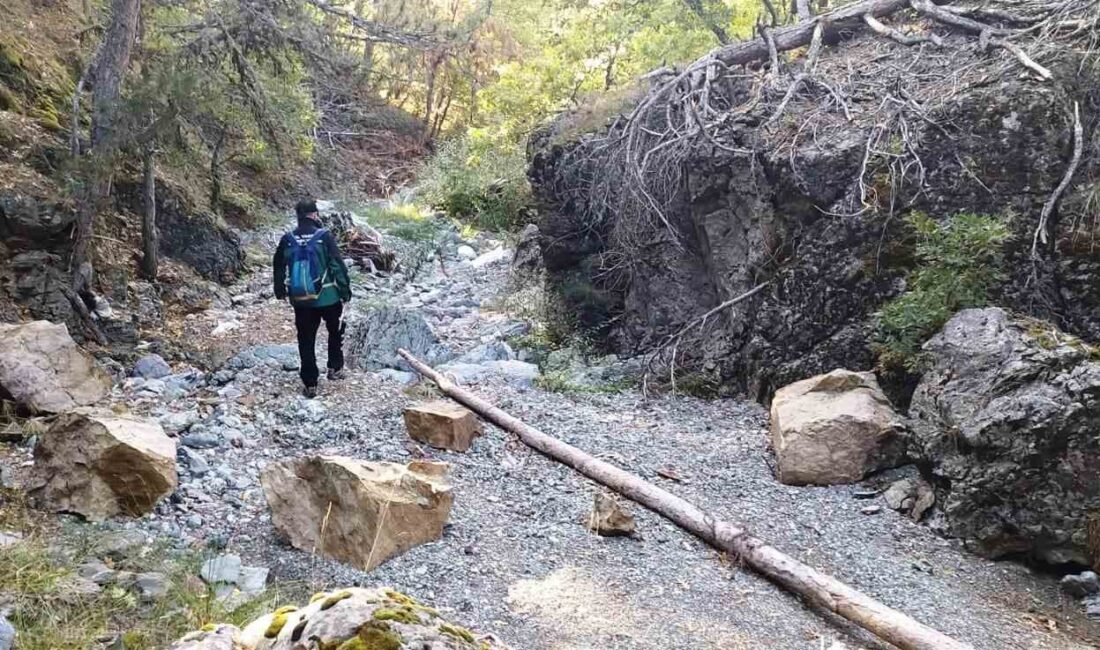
[(310, 271)]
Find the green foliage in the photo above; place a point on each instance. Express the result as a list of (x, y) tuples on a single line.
[(959, 260), (475, 182)]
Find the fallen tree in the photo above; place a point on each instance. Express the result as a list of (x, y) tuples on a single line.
[(818, 588)]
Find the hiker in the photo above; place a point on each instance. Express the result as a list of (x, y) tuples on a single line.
[(310, 271)]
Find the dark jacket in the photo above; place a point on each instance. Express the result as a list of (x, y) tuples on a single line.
[(337, 270)]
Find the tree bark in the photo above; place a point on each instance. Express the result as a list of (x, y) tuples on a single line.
[(150, 239), (848, 18), (108, 70), (820, 589), (110, 67)]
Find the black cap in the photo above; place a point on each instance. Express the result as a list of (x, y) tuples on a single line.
[(305, 208)]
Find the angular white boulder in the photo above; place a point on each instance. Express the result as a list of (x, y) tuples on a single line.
[(99, 464), (834, 428), (43, 369), (356, 511)]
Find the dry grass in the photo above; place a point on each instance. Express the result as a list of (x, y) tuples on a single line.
[(52, 608)]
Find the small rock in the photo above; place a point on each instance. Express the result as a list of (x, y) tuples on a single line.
[(443, 425), (10, 538), (120, 544), (870, 510), (7, 634), (152, 366), (150, 587), (7, 478), (252, 580), (1092, 606), (1081, 584), (194, 521), (201, 440), (466, 252), (97, 572), (396, 376), (609, 518), (176, 423), (222, 569), (196, 464)]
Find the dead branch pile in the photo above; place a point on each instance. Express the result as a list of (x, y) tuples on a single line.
[(360, 242), (904, 61)]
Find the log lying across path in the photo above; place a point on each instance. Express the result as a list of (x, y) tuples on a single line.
[(820, 589)]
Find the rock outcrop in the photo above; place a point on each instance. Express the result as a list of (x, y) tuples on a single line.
[(372, 340), (1005, 421), (444, 425), (42, 368), (834, 428), (355, 511), (816, 215), (98, 464), (347, 619)]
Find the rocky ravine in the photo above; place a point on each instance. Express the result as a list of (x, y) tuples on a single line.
[(516, 560)]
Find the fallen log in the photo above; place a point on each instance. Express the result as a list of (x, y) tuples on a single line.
[(818, 588)]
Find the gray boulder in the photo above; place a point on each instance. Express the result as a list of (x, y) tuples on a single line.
[(1005, 420), (372, 340)]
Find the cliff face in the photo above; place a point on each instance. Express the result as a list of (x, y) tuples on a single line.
[(816, 208)]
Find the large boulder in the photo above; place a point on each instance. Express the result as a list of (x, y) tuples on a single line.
[(1006, 420), (834, 428), (372, 339), (355, 511), (352, 619), (98, 464), (42, 368)]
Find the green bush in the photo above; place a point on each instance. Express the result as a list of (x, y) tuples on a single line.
[(480, 183), (959, 261)]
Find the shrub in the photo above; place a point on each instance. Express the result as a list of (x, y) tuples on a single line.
[(481, 183), (959, 262)]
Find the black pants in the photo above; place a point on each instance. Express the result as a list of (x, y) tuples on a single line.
[(307, 320)]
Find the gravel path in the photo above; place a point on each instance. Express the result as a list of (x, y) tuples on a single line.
[(516, 560)]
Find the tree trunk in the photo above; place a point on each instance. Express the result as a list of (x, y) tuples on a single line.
[(820, 589), (848, 18), (216, 173), (111, 62), (150, 240), (110, 67)]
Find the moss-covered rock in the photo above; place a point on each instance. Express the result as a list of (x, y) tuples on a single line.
[(346, 619)]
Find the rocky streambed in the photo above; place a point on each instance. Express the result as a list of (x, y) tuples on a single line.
[(516, 559)]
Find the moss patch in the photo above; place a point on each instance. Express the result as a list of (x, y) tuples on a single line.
[(401, 615), (278, 622), (330, 601), (457, 632)]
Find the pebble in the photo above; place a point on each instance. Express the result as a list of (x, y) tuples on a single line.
[(201, 440)]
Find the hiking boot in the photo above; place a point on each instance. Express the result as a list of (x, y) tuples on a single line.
[(337, 375), (310, 392)]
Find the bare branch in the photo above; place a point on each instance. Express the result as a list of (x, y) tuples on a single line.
[(1052, 202)]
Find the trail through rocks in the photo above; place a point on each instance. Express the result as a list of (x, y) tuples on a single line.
[(516, 558)]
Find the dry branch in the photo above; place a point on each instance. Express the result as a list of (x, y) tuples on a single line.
[(1052, 202), (818, 588)]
